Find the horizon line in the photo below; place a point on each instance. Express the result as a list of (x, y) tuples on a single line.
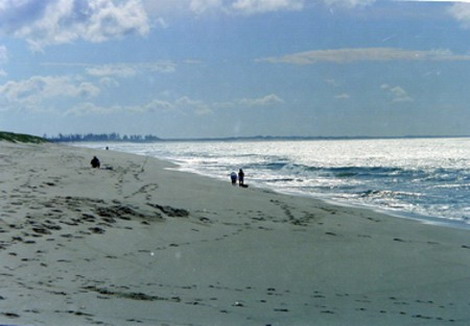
[(258, 137)]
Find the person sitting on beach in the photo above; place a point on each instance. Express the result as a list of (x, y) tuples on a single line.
[(241, 177), (95, 162), (233, 177)]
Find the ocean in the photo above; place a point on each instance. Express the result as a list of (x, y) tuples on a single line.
[(421, 178)]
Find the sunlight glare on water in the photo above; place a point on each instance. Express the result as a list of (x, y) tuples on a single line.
[(426, 176)]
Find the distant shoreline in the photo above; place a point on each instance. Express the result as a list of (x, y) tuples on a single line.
[(247, 138)]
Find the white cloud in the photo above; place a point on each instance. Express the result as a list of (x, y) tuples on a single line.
[(48, 22), (111, 70), (3, 54), (91, 109), (199, 107), (192, 62), (183, 105), (40, 88), (365, 54), (3, 59), (160, 67), (396, 93), (121, 70), (85, 90), (162, 23), (267, 100), (109, 82), (461, 12), (126, 70), (246, 7), (343, 96), (348, 3), (157, 9), (157, 106), (201, 6), (261, 6)]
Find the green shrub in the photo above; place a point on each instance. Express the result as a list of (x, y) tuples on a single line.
[(21, 138)]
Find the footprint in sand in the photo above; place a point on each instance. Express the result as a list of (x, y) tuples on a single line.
[(399, 240), (281, 310)]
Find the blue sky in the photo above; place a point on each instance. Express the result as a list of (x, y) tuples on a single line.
[(223, 68)]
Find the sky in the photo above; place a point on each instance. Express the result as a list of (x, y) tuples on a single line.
[(232, 68)]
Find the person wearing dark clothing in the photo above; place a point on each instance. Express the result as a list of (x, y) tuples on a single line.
[(241, 177), (233, 177), (95, 162)]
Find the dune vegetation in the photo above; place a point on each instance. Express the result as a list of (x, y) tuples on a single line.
[(20, 138)]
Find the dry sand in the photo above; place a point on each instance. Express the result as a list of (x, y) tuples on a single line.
[(134, 243)]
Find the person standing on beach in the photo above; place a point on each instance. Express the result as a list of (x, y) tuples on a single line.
[(241, 177), (233, 177)]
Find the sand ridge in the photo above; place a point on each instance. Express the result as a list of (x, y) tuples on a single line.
[(134, 243)]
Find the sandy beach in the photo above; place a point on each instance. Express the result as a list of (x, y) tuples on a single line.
[(137, 243)]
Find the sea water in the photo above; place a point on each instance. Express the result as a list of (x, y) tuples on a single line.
[(426, 178)]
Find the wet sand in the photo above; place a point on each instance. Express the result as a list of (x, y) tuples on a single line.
[(134, 243)]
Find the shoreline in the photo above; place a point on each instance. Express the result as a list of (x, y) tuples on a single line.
[(428, 211), (425, 219), (136, 243)]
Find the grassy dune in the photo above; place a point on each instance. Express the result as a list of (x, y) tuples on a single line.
[(20, 138)]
